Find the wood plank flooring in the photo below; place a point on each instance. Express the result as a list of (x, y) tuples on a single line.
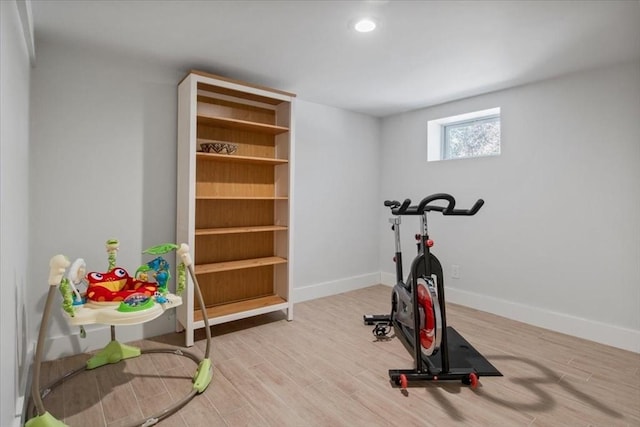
[(326, 368)]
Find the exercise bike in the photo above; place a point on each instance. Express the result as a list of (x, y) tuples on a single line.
[(418, 312)]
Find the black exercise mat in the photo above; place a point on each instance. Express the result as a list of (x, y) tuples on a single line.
[(462, 355)]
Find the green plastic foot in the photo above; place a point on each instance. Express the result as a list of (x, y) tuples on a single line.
[(45, 420), (203, 376), (112, 353)]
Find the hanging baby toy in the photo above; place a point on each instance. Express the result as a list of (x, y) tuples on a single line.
[(161, 270)]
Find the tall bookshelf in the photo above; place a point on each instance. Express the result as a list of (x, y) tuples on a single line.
[(234, 209)]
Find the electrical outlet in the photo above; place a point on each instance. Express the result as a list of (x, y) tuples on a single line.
[(455, 271)]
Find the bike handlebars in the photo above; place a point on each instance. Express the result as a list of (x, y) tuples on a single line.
[(405, 207)]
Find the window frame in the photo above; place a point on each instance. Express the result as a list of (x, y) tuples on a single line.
[(444, 134), (436, 146)]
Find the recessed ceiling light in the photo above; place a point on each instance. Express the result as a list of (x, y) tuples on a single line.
[(365, 25)]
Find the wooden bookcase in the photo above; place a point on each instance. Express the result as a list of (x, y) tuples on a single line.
[(234, 210)]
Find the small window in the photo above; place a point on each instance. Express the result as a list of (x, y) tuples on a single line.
[(474, 134)]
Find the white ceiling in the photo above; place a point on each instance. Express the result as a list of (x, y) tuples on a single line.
[(423, 52)]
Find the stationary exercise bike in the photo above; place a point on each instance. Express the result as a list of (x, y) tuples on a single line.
[(418, 313)]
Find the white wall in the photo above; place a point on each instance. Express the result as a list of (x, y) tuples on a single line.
[(557, 242), (336, 197), (14, 180), (103, 165), (103, 147)]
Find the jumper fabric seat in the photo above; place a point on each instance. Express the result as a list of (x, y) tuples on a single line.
[(116, 285)]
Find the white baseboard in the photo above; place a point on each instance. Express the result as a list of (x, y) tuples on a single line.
[(25, 386), (387, 279), (615, 336), (60, 346), (98, 336), (20, 406), (624, 338), (334, 287)]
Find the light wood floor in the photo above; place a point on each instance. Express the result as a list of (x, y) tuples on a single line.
[(325, 368)]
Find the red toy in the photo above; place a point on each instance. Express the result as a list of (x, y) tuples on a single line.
[(115, 285)]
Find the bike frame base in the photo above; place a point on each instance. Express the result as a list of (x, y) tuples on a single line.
[(413, 375), (463, 360)]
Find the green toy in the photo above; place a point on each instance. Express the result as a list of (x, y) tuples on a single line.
[(67, 297)]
